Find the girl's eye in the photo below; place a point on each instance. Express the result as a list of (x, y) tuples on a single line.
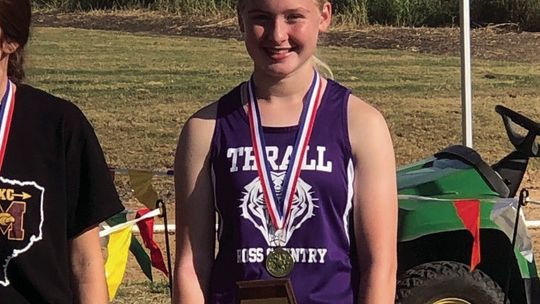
[(260, 17), (294, 17)]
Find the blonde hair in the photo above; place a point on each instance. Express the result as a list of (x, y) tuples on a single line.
[(240, 3), (323, 68)]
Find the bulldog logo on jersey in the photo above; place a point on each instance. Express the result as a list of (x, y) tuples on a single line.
[(254, 209), (21, 219)]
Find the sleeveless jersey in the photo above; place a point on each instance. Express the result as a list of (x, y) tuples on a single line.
[(317, 234)]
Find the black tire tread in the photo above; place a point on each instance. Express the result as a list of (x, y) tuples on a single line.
[(418, 275)]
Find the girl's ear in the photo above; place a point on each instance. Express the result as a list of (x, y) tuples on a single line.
[(326, 16), (9, 47)]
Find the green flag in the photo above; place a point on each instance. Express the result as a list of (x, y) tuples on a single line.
[(135, 247)]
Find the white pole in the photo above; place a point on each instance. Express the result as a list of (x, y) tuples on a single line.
[(466, 79), (159, 228)]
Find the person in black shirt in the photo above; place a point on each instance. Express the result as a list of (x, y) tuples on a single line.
[(55, 187)]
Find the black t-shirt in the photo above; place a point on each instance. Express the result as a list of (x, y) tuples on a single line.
[(54, 184)]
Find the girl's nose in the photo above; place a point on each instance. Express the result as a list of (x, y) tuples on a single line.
[(278, 31)]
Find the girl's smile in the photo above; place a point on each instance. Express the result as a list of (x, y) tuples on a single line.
[(279, 54), (281, 36)]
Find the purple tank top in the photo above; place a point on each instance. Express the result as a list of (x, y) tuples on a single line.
[(317, 234)]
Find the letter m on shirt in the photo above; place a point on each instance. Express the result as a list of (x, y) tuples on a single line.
[(14, 227)]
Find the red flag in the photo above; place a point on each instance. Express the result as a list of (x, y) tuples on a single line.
[(146, 228), (469, 213)]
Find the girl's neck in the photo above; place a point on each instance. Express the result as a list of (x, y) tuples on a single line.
[(3, 74), (3, 86), (290, 88)]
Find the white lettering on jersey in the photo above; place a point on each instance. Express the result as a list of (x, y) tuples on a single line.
[(312, 165), (272, 154), (299, 255), (285, 161), (277, 161), (321, 165), (249, 160), (234, 153)]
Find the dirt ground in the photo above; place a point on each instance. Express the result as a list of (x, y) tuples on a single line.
[(501, 42)]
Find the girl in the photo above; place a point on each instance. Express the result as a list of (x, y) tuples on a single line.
[(55, 187), (300, 172)]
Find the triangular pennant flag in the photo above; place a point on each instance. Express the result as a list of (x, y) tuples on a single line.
[(135, 247), (469, 213), (118, 218), (146, 228), (141, 182), (141, 257), (117, 255), (504, 215)]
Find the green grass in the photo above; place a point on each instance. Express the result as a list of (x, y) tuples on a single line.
[(138, 90), (143, 86)]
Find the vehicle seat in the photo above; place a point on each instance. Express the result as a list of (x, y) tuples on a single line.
[(474, 159)]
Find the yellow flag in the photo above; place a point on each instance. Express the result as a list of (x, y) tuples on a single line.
[(141, 182), (117, 255)]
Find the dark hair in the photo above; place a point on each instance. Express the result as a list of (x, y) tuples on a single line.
[(15, 16)]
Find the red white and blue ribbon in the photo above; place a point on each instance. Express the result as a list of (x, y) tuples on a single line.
[(279, 206), (6, 113)]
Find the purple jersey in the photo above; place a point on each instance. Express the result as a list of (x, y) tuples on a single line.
[(317, 234)]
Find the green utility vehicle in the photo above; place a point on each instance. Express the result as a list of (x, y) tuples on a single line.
[(457, 212)]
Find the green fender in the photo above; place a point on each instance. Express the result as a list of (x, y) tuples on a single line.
[(419, 217)]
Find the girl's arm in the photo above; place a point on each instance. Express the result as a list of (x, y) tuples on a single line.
[(87, 270), (195, 218), (375, 202)]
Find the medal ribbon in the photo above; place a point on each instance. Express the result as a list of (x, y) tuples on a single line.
[(6, 113), (279, 206)]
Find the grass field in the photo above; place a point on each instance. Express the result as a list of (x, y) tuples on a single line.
[(138, 90)]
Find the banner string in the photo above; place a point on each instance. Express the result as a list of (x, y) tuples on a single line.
[(127, 224), (169, 172)]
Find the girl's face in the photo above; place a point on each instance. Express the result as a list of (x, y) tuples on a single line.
[(281, 35)]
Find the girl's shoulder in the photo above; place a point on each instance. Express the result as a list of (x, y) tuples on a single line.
[(363, 116), (209, 113), (202, 123), (367, 125), (357, 108)]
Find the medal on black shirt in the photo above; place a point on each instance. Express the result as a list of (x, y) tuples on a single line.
[(6, 113), (279, 262)]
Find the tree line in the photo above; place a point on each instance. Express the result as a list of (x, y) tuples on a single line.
[(525, 13)]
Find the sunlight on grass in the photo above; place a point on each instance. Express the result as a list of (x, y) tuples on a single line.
[(138, 90)]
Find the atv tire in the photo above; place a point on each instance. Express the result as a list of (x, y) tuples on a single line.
[(447, 282)]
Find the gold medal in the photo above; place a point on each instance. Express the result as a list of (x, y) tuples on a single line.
[(279, 263)]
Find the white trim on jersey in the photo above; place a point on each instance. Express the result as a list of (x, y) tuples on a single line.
[(219, 224), (350, 194)]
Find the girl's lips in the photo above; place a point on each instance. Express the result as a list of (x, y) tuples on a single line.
[(278, 54)]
